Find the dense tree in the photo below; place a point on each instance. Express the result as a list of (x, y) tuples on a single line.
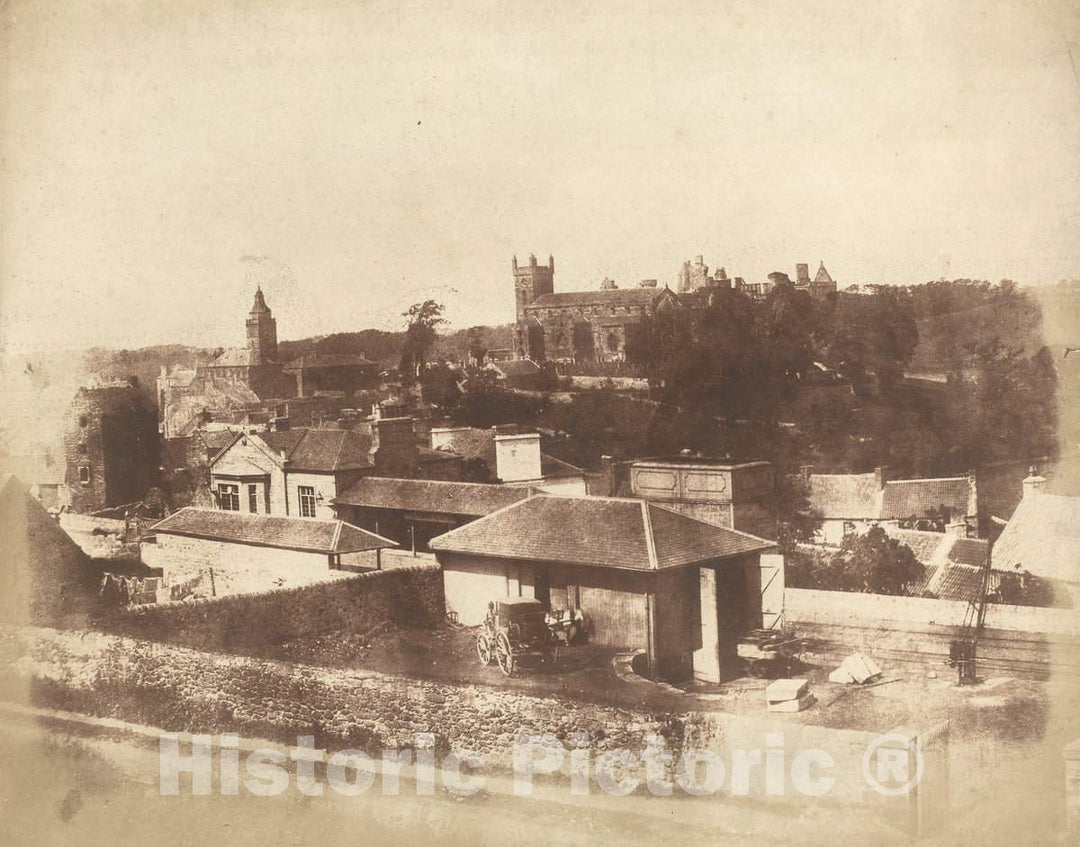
[(439, 386), (874, 563), (422, 323)]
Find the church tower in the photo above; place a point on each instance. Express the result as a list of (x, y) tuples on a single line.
[(530, 281), (262, 331)]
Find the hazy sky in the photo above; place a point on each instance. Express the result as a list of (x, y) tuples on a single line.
[(158, 158)]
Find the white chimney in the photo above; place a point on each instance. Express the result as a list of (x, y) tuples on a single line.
[(1034, 483), (517, 457)]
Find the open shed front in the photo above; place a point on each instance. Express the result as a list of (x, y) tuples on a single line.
[(688, 620)]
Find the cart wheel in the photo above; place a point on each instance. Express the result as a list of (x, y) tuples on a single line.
[(504, 655), (483, 648), (756, 669)]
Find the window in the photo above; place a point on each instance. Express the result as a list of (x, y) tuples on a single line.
[(84, 474), (253, 498), (307, 501), (229, 497), (83, 421), (82, 447)]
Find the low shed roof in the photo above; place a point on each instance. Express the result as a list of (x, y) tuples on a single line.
[(269, 531), (601, 531), (422, 495)]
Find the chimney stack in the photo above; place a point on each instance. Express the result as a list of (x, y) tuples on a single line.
[(1034, 483), (517, 457)]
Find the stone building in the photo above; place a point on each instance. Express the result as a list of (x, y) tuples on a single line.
[(110, 447), (578, 326), (255, 366), (247, 385), (647, 577), (594, 326)]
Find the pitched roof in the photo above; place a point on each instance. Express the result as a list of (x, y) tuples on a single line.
[(421, 495), (845, 496), (329, 360), (325, 450), (952, 582), (906, 498), (236, 357), (607, 296), (822, 274), (941, 548), (1042, 537), (599, 531), (270, 531)]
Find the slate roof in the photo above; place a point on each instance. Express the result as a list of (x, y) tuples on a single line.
[(321, 450), (1043, 538), (952, 582), (906, 498), (420, 495), (845, 496), (607, 297), (930, 548), (599, 531), (268, 531)]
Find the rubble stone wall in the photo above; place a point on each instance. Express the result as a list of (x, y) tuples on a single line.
[(182, 690), (409, 596)]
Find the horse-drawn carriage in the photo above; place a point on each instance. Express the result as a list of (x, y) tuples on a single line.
[(520, 626)]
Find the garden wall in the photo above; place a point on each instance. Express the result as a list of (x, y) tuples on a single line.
[(408, 596), (182, 690), (1024, 640)]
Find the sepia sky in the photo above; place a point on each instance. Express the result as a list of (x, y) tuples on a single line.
[(159, 159)]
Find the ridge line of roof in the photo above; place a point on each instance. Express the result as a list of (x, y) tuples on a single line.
[(337, 535), (488, 516), (650, 542)]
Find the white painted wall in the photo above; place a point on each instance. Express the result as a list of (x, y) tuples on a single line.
[(324, 484), (851, 609), (186, 553), (517, 457)]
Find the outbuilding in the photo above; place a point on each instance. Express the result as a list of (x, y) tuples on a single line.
[(646, 576), (211, 537)]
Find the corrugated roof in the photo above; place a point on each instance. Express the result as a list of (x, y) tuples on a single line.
[(420, 495), (1043, 538), (599, 531), (907, 498), (270, 531), (845, 496)]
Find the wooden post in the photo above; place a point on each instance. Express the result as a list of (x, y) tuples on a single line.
[(412, 537), (378, 558), (213, 585), (650, 624)]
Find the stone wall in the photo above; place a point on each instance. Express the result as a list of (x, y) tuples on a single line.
[(183, 690), (1017, 640), (409, 596)]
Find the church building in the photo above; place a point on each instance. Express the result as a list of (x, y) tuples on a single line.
[(579, 326)]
